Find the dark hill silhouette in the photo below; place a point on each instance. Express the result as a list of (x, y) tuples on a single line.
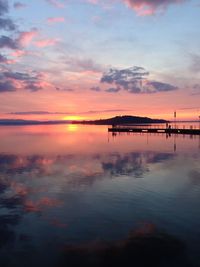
[(122, 120)]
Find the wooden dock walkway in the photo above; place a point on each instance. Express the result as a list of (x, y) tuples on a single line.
[(129, 129)]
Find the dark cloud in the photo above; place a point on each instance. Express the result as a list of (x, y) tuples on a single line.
[(7, 24), (124, 76), (21, 76), (133, 80), (17, 75), (112, 90), (3, 59), (19, 5), (7, 86), (26, 81), (161, 87), (128, 79), (3, 7), (7, 42)]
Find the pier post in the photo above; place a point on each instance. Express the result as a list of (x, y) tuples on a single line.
[(175, 118), (199, 122)]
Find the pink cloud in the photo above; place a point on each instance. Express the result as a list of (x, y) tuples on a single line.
[(25, 38), (46, 42), (11, 61), (18, 53), (55, 19), (150, 7)]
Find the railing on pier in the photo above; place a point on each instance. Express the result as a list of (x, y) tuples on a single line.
[(156, 126), (144, 128)]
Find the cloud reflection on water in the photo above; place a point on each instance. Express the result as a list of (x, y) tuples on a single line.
[(26, 182)]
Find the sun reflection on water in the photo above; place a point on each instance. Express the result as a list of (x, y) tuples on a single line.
[(72, 128)]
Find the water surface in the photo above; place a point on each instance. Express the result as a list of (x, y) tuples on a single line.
[(71, 188)]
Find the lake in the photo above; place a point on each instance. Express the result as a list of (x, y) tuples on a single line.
[(76, 195)]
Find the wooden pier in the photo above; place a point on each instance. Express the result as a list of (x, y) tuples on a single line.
[(129, 129)]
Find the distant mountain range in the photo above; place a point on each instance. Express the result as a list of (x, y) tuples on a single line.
[(115, 120), (122, 120), (30, 122)]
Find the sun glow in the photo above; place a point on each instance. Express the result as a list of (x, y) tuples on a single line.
[(72, 118)]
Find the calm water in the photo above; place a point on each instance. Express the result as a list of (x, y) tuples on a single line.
[(70, 193)]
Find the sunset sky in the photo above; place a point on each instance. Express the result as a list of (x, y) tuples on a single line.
[(90, 59)]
